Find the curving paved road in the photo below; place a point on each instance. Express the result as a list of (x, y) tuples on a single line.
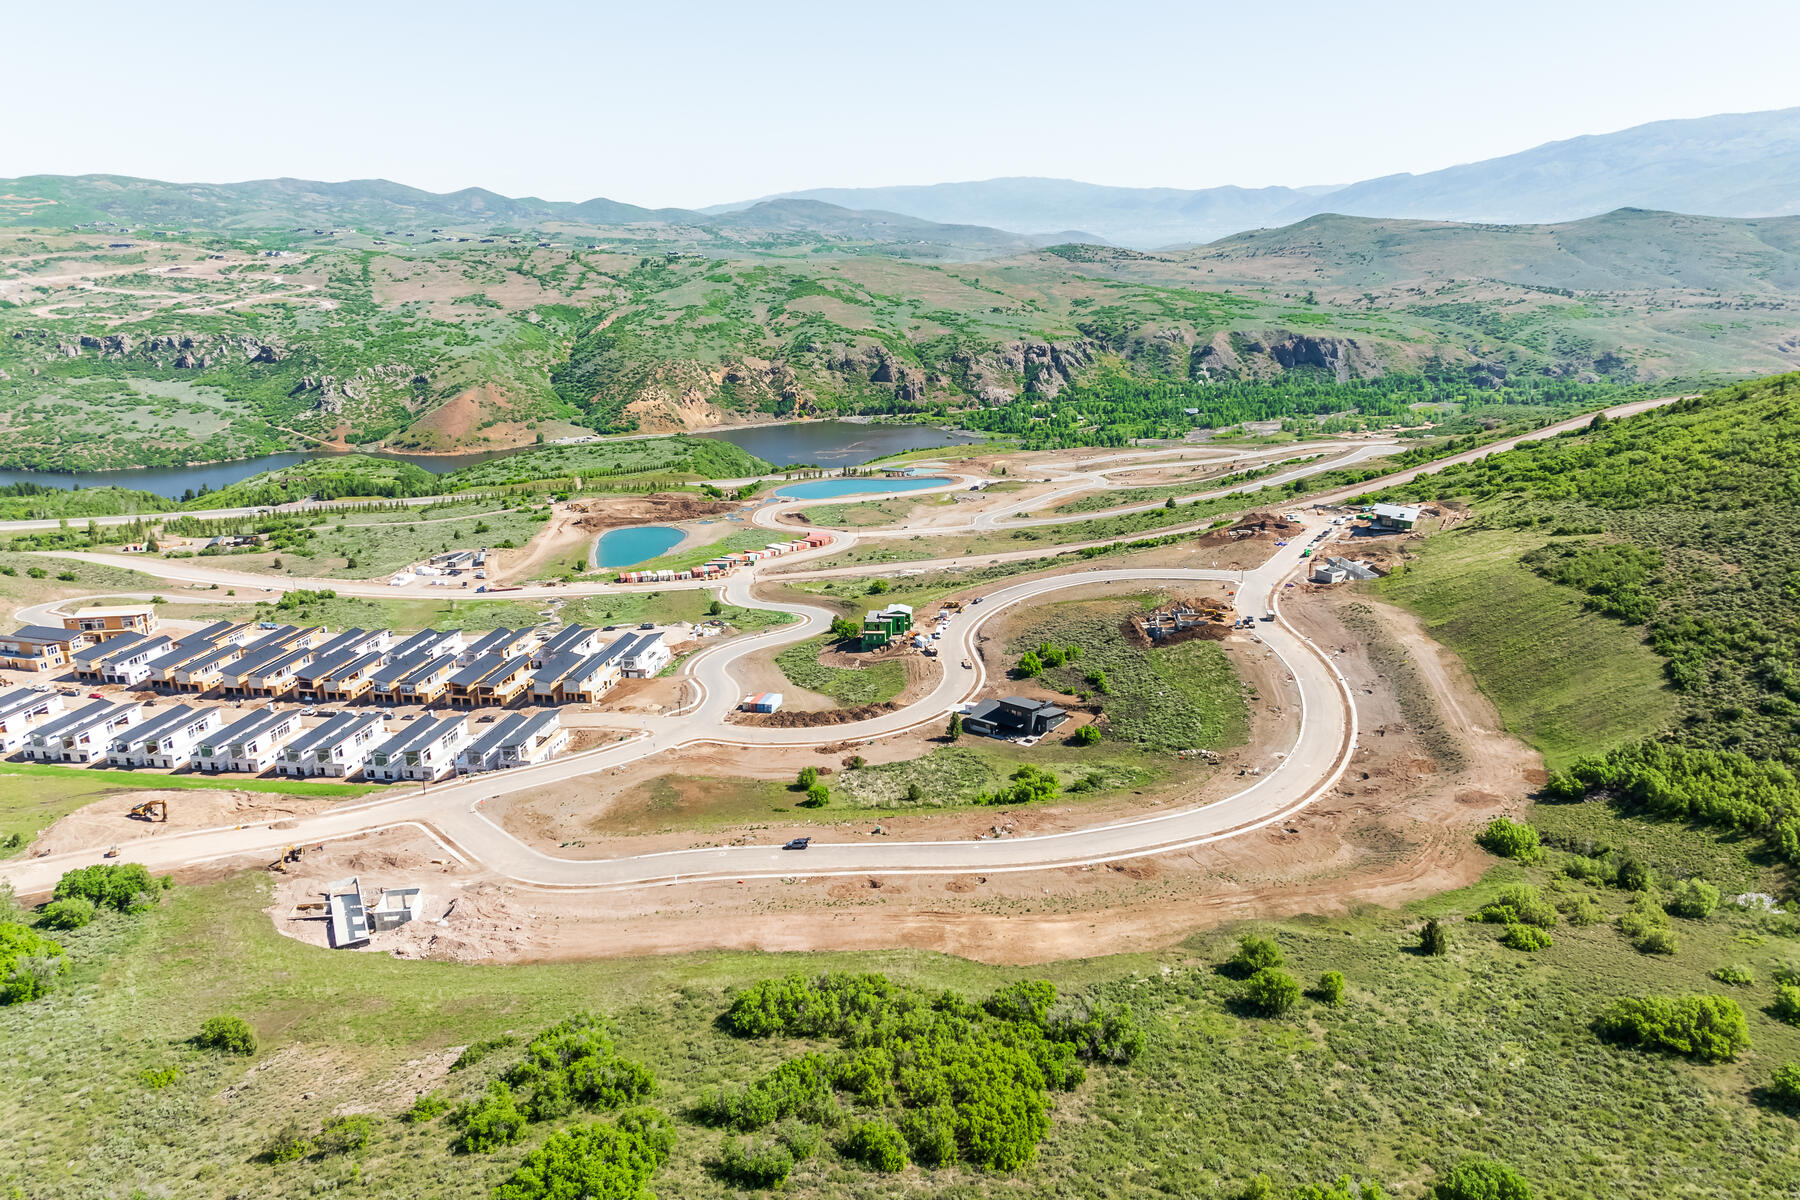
[(1313, 761)]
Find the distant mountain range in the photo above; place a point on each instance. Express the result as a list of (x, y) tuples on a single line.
[(1737, 165)]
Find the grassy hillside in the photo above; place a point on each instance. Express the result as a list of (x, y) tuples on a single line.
[(1678, 524), (1217, 1096), (1567, 680), (151, 349)]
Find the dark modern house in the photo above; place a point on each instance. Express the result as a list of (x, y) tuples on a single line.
[(1014, 716)]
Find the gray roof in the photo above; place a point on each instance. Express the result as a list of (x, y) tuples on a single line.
[(1399, 512), (358, 663), (250, 725), (419, 733), (81, 718), (477, 671), (41, 633), (397, 668), (530, 725), (333, 731), (104, 650), (498, 735), (162, 723), (561, 642), (555, 669), (494, 641), (217, 654), (17, 700), (151, 646)]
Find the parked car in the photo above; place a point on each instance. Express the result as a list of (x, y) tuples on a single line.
[(95, 696), (798, 844), (648, 625)]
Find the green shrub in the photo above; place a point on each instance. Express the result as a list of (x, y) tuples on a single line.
[(931, 1134), (1087, 735), (572, 1063), (345, 1134), (1434, 939), (1706, 1028), (1519, 905), (1480, 1179), (817, 796), (1784, 1088), (72, 912), (1525, 937), (1581, 910), (286, 1144), (877, 1144), (232, 1035), (1254, 953), (1030, 665), (1270, 992), (807, 777), (756, 1163), (1646, 926), (588, 1162), (1331, 988), (1508, 838), (1736, 974), (158, 1078), (29, 963), (474, 1052), (1694, 899), (426, 1106), (128, 887), (802, 1140), (1786, 1005), (490, 1122)]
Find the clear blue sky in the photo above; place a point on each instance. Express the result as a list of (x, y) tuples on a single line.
[(699, 103)]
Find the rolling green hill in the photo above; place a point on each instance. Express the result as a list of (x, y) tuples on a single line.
[(144, 348)]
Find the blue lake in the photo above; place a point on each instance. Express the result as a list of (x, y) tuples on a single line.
[(634, 544), (825, 489)]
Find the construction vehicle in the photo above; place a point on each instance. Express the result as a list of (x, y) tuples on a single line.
[(291, 855), (111, 852), (151, 810)]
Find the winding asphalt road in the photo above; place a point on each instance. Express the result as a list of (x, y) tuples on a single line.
[(1311, 764), (451, 812)]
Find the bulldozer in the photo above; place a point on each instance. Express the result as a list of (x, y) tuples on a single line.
[(151, 810), (291, 855)]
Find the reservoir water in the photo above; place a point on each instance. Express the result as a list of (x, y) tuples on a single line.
[(838, 443), (634, 544), (825, 489), (824, 443)]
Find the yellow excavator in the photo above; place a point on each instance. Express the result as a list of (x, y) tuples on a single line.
[(290, 855), (151, 810)]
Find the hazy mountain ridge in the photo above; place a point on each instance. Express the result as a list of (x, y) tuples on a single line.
[(1731, 165)]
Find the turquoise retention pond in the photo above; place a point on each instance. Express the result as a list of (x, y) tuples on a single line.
[(634, 544), (825, 489)]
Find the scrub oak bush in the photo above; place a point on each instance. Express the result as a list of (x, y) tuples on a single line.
[(1331, 988), (1736, 974), (1480, 1179), (1705, 1028), (1270, 992), (1524, 937), (596, 1160), (1786, 1006), (1253, 954), (876, 1144), (1434, 939), (490, 1122), (29, 963), (949, 1081), (1694, 899), (1519, 905), (755, 1162), (72, 912), (572, 1064), (1508, 838), (128, 887), (1783, 1091), (229, 1034)]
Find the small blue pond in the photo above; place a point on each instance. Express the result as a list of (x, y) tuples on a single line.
[(825, 489), (634, 544)]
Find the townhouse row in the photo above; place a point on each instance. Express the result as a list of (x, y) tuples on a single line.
[(289, 662), (214, 739)]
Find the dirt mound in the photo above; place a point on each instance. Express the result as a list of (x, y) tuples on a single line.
[(1210, 631), (636, 510), (813, 720), (1258, 526)]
